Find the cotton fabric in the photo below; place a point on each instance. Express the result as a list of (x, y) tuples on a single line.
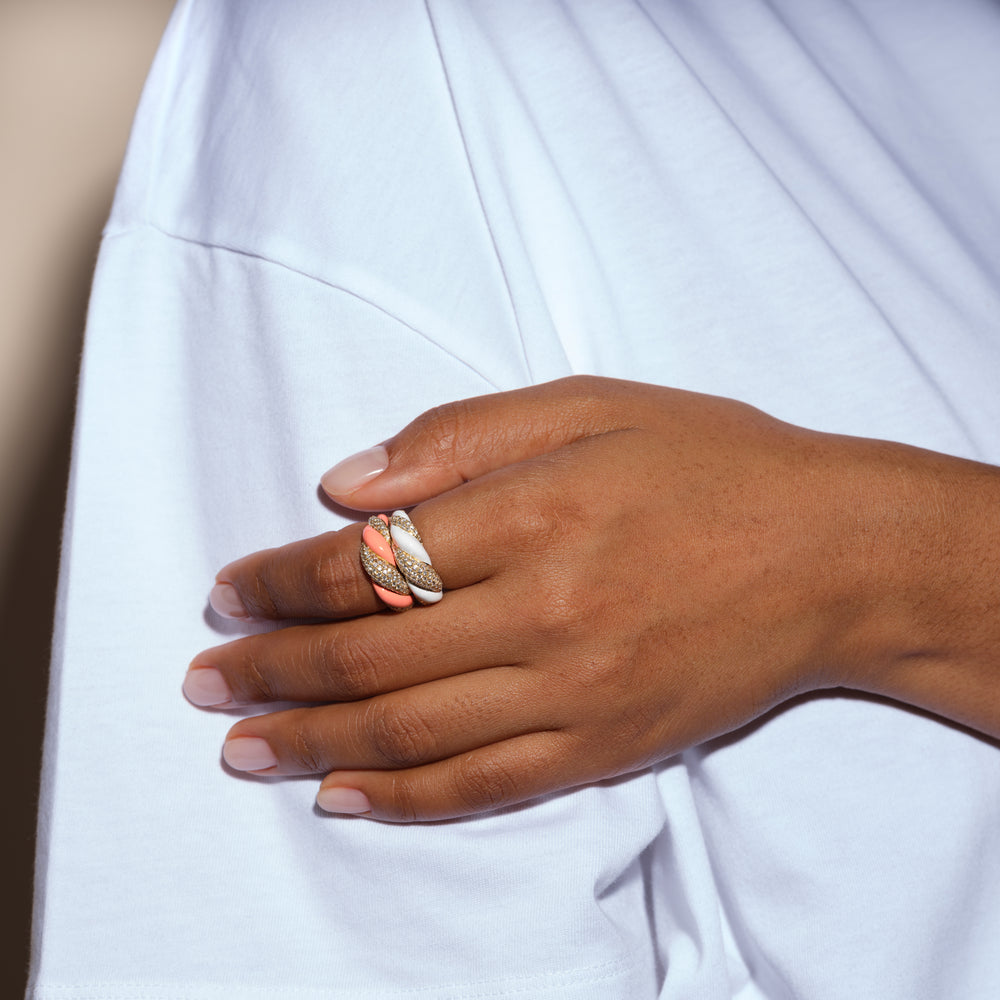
[(795, 203)]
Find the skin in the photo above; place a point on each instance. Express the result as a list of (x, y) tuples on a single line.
[(631, 570)]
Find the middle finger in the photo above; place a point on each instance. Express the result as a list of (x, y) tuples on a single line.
[(351, 660)]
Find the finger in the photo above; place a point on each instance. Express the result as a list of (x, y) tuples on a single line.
[(461, 441), (317, 577), (322, 577), (398, 730), (471, 534), (491, 777), (357, 659)]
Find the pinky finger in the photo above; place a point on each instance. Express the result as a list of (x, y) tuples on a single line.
[(491, 777)]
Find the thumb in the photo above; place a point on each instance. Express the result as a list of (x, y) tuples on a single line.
[(451, 444)]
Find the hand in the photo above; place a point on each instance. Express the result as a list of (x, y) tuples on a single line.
[(631, 570)]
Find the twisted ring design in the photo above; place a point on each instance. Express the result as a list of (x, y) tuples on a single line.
[(394, 557)]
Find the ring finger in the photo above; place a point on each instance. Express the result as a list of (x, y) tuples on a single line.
[(321, 577)]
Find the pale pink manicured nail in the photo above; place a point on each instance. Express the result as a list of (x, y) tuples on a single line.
[(226, 602), (205, 687), (352, 473), (343, 800), (248, 753)]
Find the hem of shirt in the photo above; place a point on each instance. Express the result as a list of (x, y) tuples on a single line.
[(623, 977)]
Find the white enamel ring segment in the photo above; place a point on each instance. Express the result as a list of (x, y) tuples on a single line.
[(413, 561)]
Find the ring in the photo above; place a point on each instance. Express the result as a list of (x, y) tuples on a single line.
[(395, 560), (379, 563)]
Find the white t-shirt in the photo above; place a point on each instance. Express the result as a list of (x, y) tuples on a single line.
[(791, 202)]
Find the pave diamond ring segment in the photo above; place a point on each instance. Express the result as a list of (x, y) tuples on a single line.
[(379, 563), (395, 560)]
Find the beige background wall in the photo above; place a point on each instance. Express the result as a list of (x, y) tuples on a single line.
[(70, 75)]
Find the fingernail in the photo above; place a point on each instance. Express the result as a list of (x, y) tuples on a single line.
[(352, 473), (205, 687), (248, 753), (343, 800), (226, 602)]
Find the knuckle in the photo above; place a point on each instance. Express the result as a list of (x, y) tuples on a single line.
[(258, 593), (600, 677), (545, 512), (481, 785), (442, 425), (453, 432), (537, 513), (397, 735), (352, 665), (305, 751), (334, 576), (601, 396), (403, 801), (564, 585), (559, 606), (256, 680), (271, 588)]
